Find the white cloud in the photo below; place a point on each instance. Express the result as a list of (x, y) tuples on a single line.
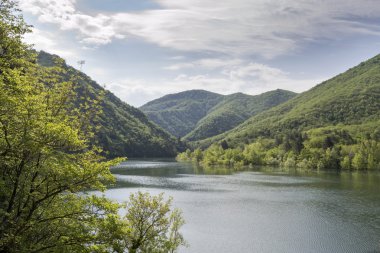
[(234, 30), (178, 66), (94, 30), (251, 78), (43, 40), (234, 27), (207, 63)]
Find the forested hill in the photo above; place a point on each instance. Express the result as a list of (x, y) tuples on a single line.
[(351, 98), (235, 109), (199, 114), (179, 113), (123, 129)]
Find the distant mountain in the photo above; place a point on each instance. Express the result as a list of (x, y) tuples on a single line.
[(351, 98), (124, 130), (235, 109), (199, 114), (179, 113)]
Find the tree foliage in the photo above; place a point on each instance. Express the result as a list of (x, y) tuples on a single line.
[(48, 161), (152, 226), (338, 147), (45, 157)]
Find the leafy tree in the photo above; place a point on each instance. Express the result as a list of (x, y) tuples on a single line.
[(197, 155), (47, 162), (151, 225), (254, 153), (346, 163), (12, 28), (45, 159)]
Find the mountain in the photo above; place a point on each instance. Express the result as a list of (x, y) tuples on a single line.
[(351, 98), (179, 113), (235, 109), (123, 129), (199, 114)]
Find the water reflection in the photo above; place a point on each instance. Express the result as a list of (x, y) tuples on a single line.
[(263, 209)]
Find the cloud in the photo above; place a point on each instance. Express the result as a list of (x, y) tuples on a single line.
[(134, 91), (247, 77), (206, 63), (43, 40), (229, 34), (95, 30), (233, 27)]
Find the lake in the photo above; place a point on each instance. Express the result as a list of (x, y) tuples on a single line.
[(264, 209)]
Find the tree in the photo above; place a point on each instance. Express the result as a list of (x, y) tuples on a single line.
[(13, 53), (197, 155), (48, 161), (45, 155), (151, 225), (224, 145)]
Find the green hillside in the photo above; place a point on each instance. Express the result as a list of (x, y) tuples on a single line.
[(349, 98), (336, 124), (123, 129), (179, 113), (199, 114), (235, 109)]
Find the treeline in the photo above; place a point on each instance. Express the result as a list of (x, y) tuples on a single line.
[(326, 148)]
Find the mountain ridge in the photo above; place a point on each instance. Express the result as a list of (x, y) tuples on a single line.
[(178, 113), (198, 114), (351, 97), (237, 107), (123, 129)]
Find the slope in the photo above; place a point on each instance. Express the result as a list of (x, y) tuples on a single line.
[(351, 98), (235, 109), (123, 129), (179, 113)]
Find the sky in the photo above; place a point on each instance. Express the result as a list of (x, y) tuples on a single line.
[(143, 49)]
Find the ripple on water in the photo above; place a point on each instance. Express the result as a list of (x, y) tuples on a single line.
[(263, 211)]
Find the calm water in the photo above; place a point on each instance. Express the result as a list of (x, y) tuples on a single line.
[(263, 210)]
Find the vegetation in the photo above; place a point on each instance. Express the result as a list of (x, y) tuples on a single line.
[(179, 113), (197, 114), (351, 98), (235, 109), (152, 226), (49, 163), (334, 125), (123, 129), (336, 147)]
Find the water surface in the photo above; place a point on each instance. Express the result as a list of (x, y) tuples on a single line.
[(263, 210)]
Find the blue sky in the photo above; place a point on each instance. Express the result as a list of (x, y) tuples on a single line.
[(143, 49)]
